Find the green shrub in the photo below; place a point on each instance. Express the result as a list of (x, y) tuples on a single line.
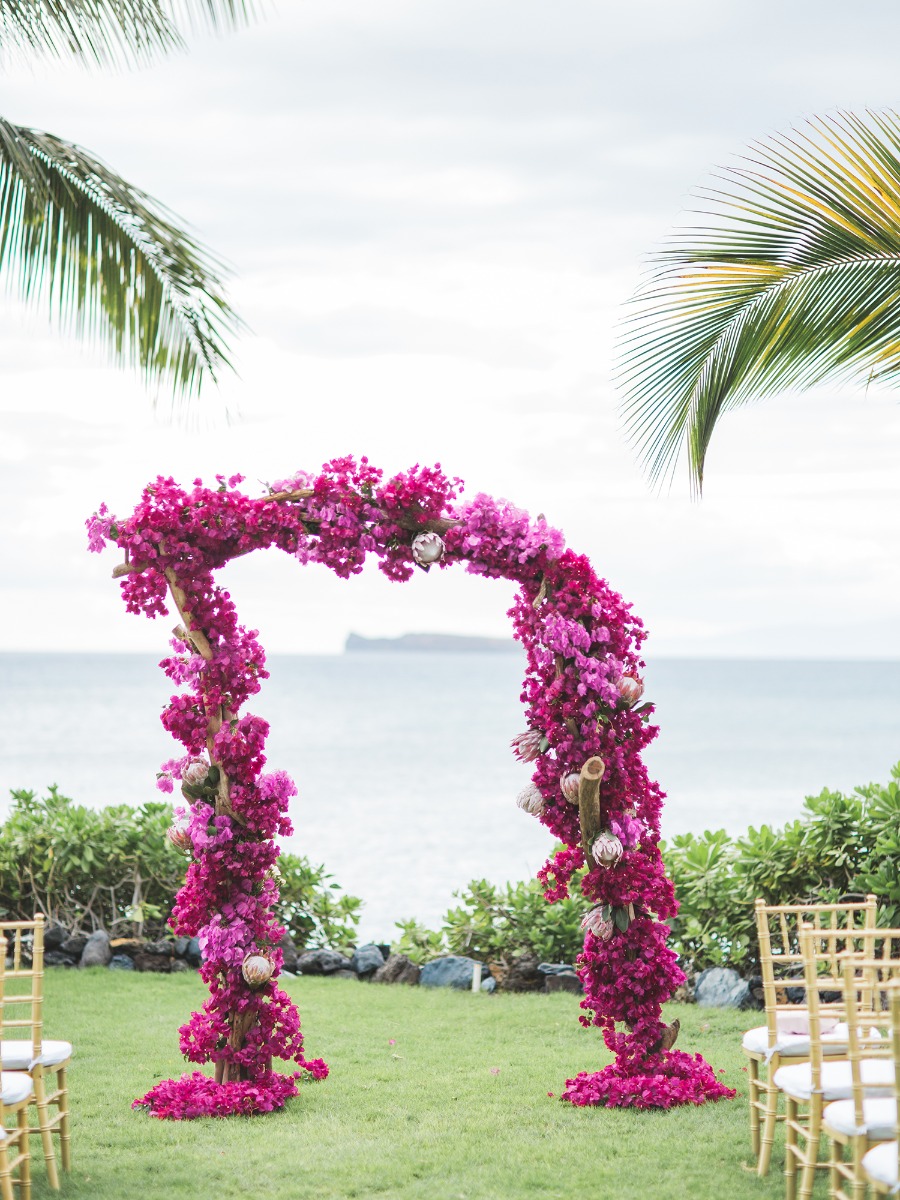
[(113, 868), (501, 923), (841, 848)]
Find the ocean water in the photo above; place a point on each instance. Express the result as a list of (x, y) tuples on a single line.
[(406, 783)]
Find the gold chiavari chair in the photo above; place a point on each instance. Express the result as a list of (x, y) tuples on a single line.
[(785, 1035), (16, 1092), (809, 1086), (870, 1116), (880, 1166), (27, 1050)]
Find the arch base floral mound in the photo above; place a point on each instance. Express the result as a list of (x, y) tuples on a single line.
[(585, 736)]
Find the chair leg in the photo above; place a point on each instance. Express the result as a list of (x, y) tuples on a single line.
[(6, 1187), (834, 1176), (768, 1135), (754, 1088), (814, 1133), (25, 1164), (790, 1149), (65, 1149), (859, 1146), (40, 1095)]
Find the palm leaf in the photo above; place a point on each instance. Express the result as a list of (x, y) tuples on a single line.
[(792, 277), (106, 31), (110, 260)]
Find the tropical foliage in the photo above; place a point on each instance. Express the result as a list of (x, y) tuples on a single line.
[(113, 868), (493, 923), (842, 845), (112, 263), (790, 277)]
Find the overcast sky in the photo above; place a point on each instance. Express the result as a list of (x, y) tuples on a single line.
[(434, 212)]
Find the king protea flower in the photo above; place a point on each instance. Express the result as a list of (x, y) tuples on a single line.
[(527, 746), (427, 548), (257, 969), (600, 923), (195, 772), (570, 785), (178, 835), (530, 800), (607, 849), (630, 688)]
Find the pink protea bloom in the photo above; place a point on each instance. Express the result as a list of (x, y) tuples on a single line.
[(427, 548), (178, 835), (599, 922), (530, 800), (257, 969), (195, 772), (630, 688), (527, 746), (607, 849), (569, 784)]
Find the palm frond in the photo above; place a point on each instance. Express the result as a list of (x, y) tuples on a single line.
[(792, 277), (110, 260), (108, 31)]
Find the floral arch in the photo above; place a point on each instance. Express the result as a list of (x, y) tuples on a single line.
[(585, 736)]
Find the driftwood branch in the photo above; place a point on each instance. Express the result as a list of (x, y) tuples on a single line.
[(589, 803)]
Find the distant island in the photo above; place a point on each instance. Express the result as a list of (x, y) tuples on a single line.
[(444, 643)]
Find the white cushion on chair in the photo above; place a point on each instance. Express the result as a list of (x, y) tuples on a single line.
[(879, 1118), (837, 1082), (16, 1055), (881, 1164), (794, 1045), (15, 1087)]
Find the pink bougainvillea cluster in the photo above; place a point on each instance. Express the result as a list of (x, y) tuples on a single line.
[(581, 691)]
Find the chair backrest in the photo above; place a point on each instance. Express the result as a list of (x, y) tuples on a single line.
[(780, 952), (22, 992), (872, 1020)]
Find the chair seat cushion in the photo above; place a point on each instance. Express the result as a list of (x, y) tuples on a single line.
[(15, 1087), (879, 1118), (837, 1083), (881, 1164), (794, 1045), (16, 1055)]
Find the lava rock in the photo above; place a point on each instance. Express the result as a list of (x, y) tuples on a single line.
[(322, 962), (129, 946), (74, 945), (397, 969), (181, 946), (453, 971), (160, 963), (564, 982), (289, 953), (55, 934), (366, 960), (489, 985), (193, 954), (556, 969), (343, 974), (57, 958), (121, 962), (721, 987), (97, 951), (522, 975), (178, 964), (164, 947)]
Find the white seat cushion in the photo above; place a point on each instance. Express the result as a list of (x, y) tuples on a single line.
[(796, 1079), (15, 1087), (794, 1045), (881, 1164), (16, 1055), (879, 1118)]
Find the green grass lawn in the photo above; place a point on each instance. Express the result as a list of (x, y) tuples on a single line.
[(432, 1094)]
